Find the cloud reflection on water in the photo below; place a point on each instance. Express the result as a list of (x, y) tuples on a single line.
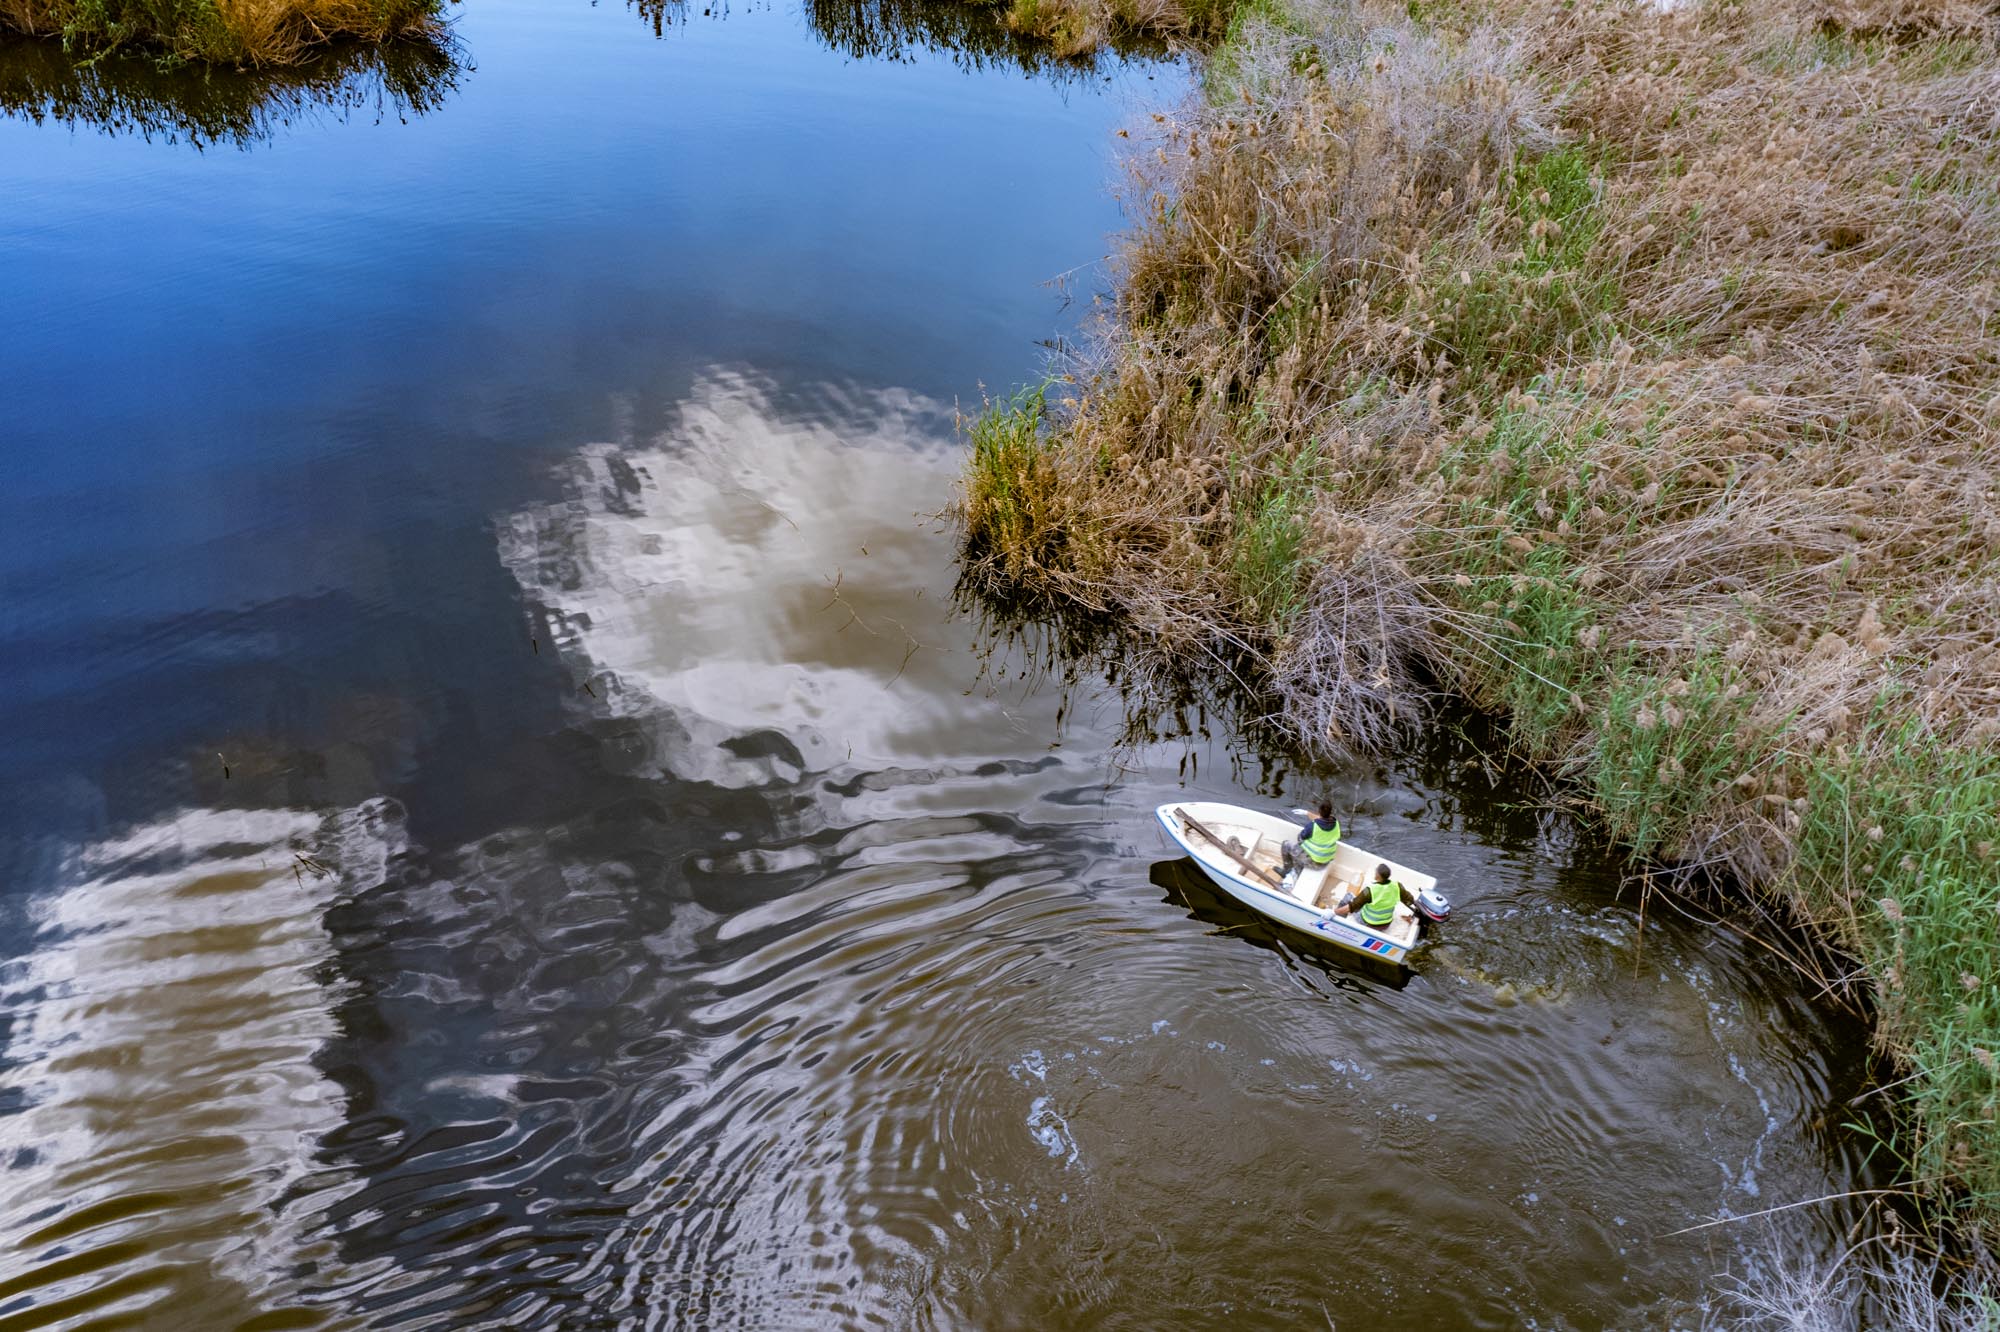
[(167, 1107), (759, 588)]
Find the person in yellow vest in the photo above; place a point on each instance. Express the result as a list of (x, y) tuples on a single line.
[(1376, 904), (1318, 841)]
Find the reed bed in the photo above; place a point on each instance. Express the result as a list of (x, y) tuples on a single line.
[(229, 32), (1631, 369)]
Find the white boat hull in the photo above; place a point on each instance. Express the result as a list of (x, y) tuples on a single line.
[(1259, 835)]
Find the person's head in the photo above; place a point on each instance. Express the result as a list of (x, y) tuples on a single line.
[(1326, 811), (1381, 874)]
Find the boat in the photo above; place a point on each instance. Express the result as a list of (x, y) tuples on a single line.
[(1242, 851)]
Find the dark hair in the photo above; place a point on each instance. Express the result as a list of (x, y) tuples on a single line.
[(1382, 873), (1326, 810)]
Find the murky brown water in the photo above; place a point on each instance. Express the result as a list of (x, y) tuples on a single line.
[(501, 827), (846, 995)]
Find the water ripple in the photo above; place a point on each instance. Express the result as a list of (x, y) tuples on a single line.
[(839, 999)]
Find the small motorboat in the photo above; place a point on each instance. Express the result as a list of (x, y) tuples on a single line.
[(1242, 850)]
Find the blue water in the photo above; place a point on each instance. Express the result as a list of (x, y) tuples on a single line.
[(265, 400)]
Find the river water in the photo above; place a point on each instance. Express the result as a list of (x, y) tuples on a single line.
[(500, 824)]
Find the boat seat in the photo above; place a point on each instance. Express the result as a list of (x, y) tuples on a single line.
[(1311, 884)]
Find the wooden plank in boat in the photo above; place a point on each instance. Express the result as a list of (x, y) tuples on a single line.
[(1233, 850)]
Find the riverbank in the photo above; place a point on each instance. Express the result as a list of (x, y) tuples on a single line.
[(223, 32), (1631, 370)]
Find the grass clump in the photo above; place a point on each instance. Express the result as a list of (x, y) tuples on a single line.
[(1899, 850), (1267, 549), (1647, 359), (1661, 747), (1011, 515), (231, 32), (1541, 300), (1076, 27)]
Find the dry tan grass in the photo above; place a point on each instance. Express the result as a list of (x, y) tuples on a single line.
[(1770, 377)]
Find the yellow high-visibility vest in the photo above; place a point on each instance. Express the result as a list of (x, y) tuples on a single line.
[(1321, 843), (1380, 908)]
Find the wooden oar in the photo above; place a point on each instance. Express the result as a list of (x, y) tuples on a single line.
[(1242, 860)]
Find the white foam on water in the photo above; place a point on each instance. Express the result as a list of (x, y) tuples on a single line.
[(1052, 1131)]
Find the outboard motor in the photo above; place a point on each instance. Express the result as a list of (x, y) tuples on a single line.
[(1433, 905)]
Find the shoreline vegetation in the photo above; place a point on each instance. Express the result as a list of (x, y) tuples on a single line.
[(1078, 27), (251, 33), (1630, 369)]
